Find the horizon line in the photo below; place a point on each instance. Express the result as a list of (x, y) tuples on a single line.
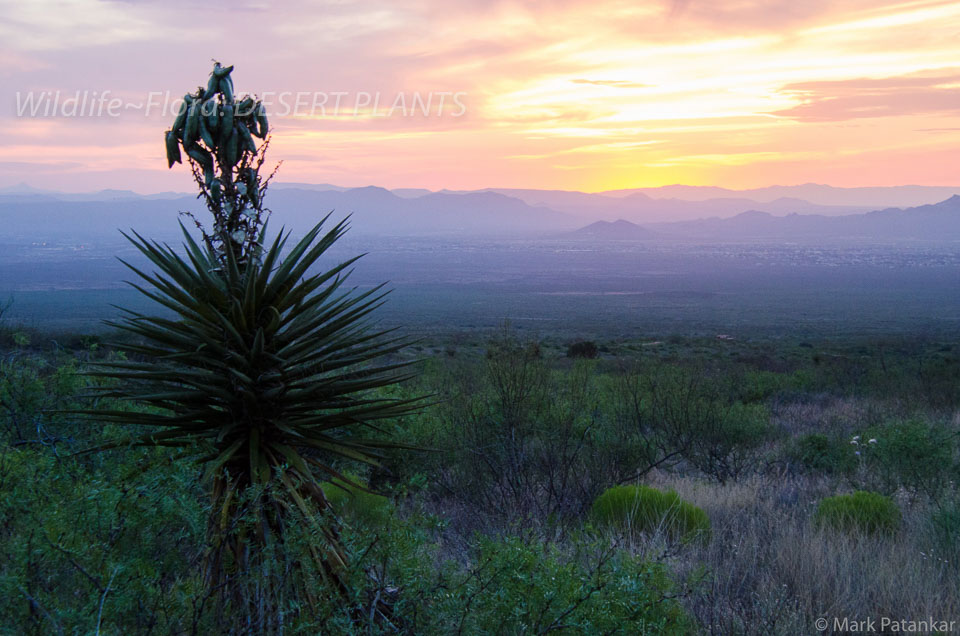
[(11, 188)]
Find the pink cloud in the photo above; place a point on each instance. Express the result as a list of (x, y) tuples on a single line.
[(543, 80), (885, 97)]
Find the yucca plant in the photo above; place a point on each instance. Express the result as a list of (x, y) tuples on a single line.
[(267, 374)]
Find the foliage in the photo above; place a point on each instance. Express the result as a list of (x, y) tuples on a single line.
[(507, 446), (645, 509), (946, 526), (583, 349), (261, 374), (819, 453), (862, 511), (510, 585), (727, 444), (493, 529), (351, 496), (688, 413), (913, 453), (759, 385), (103, 547), (521, 588), (31, 389), (112, 542)]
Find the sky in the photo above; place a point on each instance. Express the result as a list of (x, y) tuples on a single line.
[(550, 94)]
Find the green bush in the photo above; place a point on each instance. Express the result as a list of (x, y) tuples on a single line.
[(583, 349), (818, 452), (946, 528), (520, 588), (690, 409), (757, 386), (353, 502), (727, 443), (32, 389), (862, 511), (914, 454), (77, 536), (746, 425), (508, 585), (646, 509)]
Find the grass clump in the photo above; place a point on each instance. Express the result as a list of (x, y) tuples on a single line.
[(355, 502), (863, 511), (646, 509)]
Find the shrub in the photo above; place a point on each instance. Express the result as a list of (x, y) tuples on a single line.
[(757, 386), (913, 454), (32, 388), (347, 499), (508, 585), (520, 588), (746, 425), (946, 528), (583, 349), (726, 439), (865, 511), (75, 533), (687, 411), (646, 509), (818, 452)]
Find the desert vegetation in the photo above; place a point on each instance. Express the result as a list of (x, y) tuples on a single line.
[(821, 482)]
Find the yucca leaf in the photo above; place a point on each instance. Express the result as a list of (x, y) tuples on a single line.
[(221, 459), (254, 349)]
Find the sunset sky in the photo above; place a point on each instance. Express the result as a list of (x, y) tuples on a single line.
[(563, 95)]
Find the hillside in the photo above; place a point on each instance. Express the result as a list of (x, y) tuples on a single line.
[(937, 222), (30, 215), (619, 230)]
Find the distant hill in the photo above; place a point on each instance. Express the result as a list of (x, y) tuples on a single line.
[(320, 187), (619, 230), (814, 193), (642, 206), (936, 222), (41, 216), (30, 213), (687, 203), (24, 192), (380, 211), (639, 207)]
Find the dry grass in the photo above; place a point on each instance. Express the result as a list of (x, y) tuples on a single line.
[(769, 570), (766, 568), (829, 414)]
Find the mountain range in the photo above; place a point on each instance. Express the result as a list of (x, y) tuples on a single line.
[(29, 213), (937, 222)]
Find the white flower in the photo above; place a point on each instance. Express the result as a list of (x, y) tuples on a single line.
[(854, 441), (856, 438), (872, 440)]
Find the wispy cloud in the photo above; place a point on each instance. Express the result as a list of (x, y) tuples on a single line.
[(886, 97), (610, 83)]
